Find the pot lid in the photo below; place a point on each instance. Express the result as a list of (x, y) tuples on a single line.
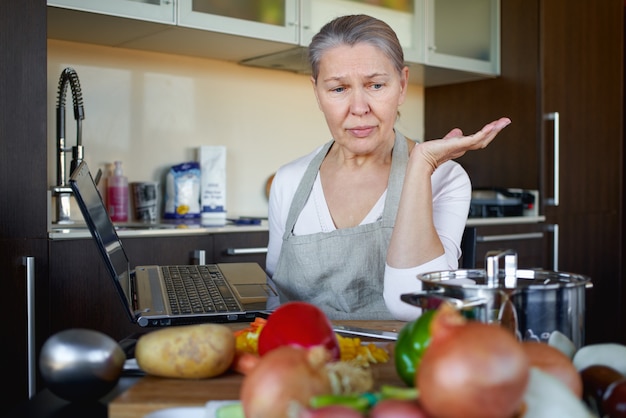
[(533, 279), (509, 277)]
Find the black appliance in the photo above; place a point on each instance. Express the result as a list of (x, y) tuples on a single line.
[(501, 202)]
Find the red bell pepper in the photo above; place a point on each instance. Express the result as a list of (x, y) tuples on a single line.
[(299, 324)]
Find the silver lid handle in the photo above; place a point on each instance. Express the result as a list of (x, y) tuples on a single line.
[(492, 264)]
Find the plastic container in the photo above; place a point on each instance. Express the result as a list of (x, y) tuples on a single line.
[(117, 195)]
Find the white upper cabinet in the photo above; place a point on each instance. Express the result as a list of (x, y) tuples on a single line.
[(445, 41), (399, 14), (463, 34), (272, 20), (162, 11), (448, 34)]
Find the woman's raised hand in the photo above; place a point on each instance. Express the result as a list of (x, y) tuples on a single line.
[(455, 144)]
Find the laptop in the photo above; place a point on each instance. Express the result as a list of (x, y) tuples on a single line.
[(238, 291)]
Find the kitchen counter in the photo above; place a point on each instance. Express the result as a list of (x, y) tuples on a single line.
[(58, 232), (153, 393), (135, 396), (165, 229)]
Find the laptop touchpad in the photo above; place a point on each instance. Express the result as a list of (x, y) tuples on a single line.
[(249, 293)]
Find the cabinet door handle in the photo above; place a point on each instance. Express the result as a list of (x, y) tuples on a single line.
[(198, 257), (555, 246), (29, 263), (509, 237), (554, 201), (241, 251)]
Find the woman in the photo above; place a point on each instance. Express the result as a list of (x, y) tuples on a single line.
[(354, 222)]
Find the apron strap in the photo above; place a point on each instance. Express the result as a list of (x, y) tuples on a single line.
[(304, 189), (400, 158)]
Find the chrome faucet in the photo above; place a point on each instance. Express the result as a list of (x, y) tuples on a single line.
[(62, 191)]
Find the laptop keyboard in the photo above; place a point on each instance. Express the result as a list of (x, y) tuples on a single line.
[(198, 289)]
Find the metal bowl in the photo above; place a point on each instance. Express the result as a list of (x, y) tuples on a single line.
[(81, 364)]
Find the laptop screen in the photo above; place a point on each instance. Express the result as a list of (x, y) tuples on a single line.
[(103, 230)]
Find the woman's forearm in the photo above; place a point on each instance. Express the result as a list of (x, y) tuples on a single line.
[(414, 240)]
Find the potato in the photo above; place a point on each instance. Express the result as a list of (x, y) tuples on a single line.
[(186, 352)]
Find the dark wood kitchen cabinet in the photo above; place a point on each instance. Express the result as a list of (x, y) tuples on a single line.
[(166, 250), (81, 293), (222, 247), (557, 56), (23, 186), (529, 241), (80, 289), (241, 247), (24, 304)]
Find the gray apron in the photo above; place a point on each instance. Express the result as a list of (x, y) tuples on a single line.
[(341, 271)]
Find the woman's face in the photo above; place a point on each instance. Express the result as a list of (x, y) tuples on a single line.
[(359, 91)]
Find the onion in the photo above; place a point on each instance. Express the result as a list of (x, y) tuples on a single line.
[(398, 408), (548, 397), (284, 380), (331, 411), (553, 361), (471, 369)]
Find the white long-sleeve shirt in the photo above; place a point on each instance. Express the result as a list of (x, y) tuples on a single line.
[(451, 189)]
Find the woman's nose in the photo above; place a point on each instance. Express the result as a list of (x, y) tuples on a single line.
[(358, 103)]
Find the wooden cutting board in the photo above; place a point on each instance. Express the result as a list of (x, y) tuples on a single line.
[(153, 393)]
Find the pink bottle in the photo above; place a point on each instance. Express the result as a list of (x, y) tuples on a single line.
[(117, 195)]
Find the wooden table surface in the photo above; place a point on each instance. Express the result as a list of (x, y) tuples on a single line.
[(153, 393)]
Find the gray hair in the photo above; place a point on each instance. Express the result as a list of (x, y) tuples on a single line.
[(351, 30)]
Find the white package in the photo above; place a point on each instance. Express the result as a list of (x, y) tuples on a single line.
[(212, 160)]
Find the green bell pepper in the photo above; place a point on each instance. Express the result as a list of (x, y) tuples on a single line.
[(413, 340)]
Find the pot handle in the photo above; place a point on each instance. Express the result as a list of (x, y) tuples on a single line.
[(431, 299), (507, 316), (492, 264)]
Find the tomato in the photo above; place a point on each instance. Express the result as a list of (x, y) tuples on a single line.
[(298, 324)]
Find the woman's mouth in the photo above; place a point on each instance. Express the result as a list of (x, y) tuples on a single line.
[(361, 131)]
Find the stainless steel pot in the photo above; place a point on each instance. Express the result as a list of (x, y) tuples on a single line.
[(532, 303)]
